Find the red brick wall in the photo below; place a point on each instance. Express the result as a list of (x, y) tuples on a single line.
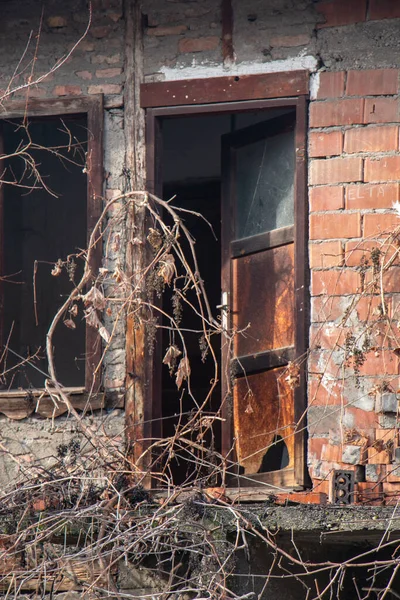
[(354, 172)]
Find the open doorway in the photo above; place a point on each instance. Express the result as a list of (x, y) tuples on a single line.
[(192, 175)]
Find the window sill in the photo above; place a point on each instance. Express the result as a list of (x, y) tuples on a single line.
[(20, 404)]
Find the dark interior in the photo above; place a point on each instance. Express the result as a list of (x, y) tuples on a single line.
[(191, 173), (43, 220)]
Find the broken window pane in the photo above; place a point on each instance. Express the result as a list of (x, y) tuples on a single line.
[(265, 185)]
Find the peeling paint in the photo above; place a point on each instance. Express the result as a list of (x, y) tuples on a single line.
[(314, 85)]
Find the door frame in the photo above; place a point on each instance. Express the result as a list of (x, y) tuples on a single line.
[(296, 98)]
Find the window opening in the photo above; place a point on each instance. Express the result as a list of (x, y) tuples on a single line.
[(44, 218)]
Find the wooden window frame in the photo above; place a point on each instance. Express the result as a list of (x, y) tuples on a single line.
[(15, 403), (229, 95)]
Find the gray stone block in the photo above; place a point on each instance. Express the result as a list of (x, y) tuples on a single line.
[(352, 455), (387, 421), (386, 403), (371, 473)]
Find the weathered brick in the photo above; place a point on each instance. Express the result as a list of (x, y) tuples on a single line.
[(372, 82), (326, 198), (101, 31), (315, 446), (381, 110), (289, 41), (369, 493), (57, 22), (390, 279), (377, 363), (335, 283), (202, 44), (378, 458), (32, 92), (67, 90), (105, 88), (331, 85), (368, 307), (341, 12), (100, 59), (87, 75), (320, 361), (108, 73), (87, 46), (114, 16), (357, 252), (360, 419), (335, 226), (172, 30), (328, 336), (380, 195), (322, 487), (391, 492), (383, 9), (322, 419), (376, 224), (371, 139), (382, 169), (325, 143), (326, 310), (336, 170), (348, 111), (326, 254), (393, 474), (331, 453)]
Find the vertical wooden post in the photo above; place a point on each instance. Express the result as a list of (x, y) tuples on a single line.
[(137, 403), (228, 54), (2, 168)]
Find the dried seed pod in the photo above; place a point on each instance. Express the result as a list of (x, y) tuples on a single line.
[(56, 270)]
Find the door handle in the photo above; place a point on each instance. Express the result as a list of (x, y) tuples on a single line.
[(224, 308)]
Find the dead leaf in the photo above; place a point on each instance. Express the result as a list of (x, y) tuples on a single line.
[(70, 324), (92, 318), (104, 334), (167, 268), (154, 238), (293, 375), (73, 311), (182, 372), (122, 279), (396, 351), (95, 298), (170, 357)]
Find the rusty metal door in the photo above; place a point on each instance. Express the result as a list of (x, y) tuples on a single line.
[(258, 304)]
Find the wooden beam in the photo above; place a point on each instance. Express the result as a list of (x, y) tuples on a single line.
[(138, 391), (95, 183), (21, 406), (47, 107), (228, 55), (224, 89)]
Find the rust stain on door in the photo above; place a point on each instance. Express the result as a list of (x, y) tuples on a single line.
[(263, 295), (263, 410)]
